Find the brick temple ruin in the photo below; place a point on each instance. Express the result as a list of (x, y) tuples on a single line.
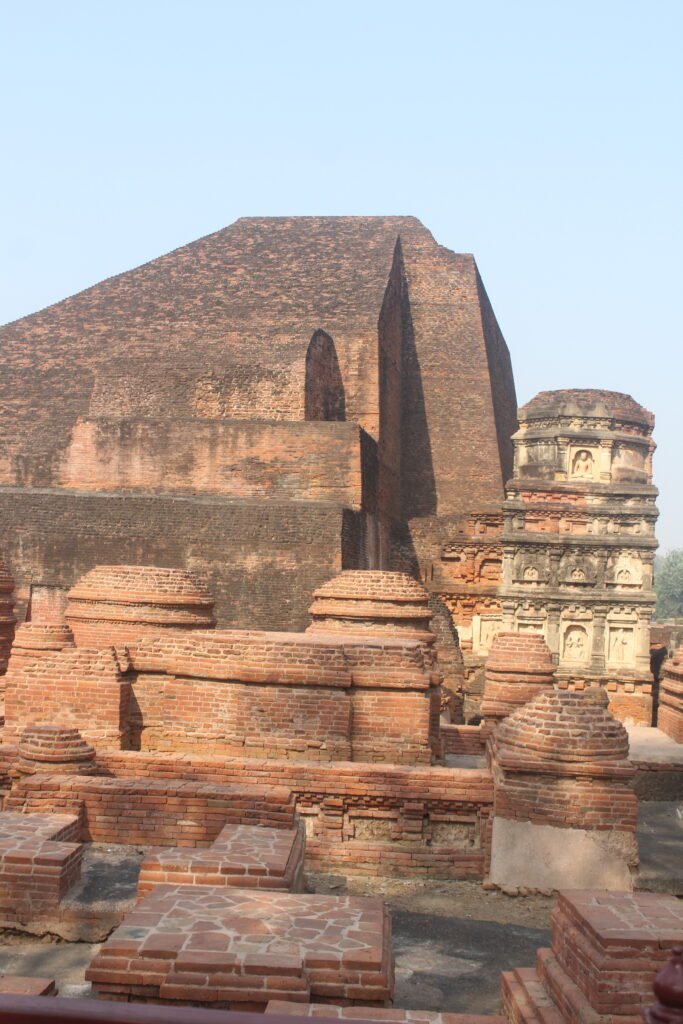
[(291, 585)]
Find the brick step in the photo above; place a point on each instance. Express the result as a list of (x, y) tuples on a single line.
[(573, 1004), (525, 1000)]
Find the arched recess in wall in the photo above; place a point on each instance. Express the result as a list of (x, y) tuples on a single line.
[(324, 388)]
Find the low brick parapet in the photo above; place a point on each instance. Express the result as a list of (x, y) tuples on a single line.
[(155, 811)]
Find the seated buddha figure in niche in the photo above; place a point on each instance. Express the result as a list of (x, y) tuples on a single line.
[(582, 465)]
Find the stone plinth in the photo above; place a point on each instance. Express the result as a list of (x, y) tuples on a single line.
[(606, 949), (117, 604), (372, 601), (56, 749), (244, 856), (564, 812), (670, 714), (7, 618), (238, 949), (517, 669)]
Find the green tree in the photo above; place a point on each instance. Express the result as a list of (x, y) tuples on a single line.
[(669, 585)]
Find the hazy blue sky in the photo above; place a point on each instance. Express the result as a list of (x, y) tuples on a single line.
[(544, 137)]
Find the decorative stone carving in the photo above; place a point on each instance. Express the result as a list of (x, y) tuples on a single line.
[(576, 647), (583, 465)]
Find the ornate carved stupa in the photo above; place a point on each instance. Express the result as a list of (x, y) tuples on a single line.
[(114, 604), (578, 541)]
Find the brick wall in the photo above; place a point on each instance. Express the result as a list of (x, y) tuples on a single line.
[(360, 818), (153, 811), (84, 689), (262, 560), (241, 459), (219, 330)]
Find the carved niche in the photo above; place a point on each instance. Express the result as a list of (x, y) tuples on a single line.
[(578, 570), (530, 568), (583, 464), (575, 645)]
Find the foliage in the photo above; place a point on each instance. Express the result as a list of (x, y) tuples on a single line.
[(669, 585)]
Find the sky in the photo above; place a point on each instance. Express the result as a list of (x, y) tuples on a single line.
[(544, 137)]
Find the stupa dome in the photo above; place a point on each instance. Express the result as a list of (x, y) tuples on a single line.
[(368, 600), (117, 603)]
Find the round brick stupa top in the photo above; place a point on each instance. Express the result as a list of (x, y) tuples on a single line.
[(56, 748), (373, 601), (564, 727), (34, 640), (117, 603), (518, 668)]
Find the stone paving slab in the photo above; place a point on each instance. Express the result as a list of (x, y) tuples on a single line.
[(58, 827), (649, 744), (378, 1013), (245, 856), (240, 948)]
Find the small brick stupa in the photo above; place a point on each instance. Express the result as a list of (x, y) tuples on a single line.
[(54, 748), (518, 669), (115, 604), (33, 641), (564, 812), (7, 618), (372, 601), (670, 714)]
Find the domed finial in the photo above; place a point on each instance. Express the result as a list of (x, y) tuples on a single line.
[(668, 986)]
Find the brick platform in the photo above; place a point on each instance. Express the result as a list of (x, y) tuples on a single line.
[(242, 855), (40, 859), (606, 949), (281, 1006), (239, 949), (17, 985)]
